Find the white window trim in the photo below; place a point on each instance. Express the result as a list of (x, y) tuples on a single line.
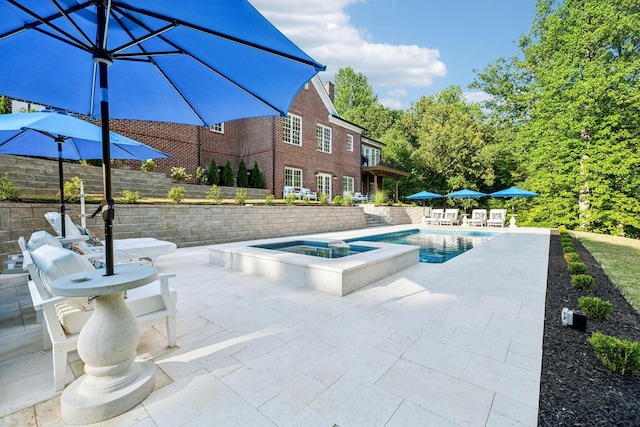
[(294, 172), (217, 128), (292, 134), (349, 142), (348, 179), (321, 143)]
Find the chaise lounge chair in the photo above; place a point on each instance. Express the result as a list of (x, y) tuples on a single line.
[(496, 217), (64, 317), (436, 215), (123, 249), (450, 217), (478, 218)]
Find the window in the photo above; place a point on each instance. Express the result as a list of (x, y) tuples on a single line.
[(217, 128), (349, 142), (292, 177), (347, 184), (323, 183), (323, 135), (292, 129), (372, 155)]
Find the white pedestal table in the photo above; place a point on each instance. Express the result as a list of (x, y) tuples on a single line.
[(113, 382)]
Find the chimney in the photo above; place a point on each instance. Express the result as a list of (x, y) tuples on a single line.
[(328, 86)]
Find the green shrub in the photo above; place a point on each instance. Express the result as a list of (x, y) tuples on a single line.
[(568, 247), (323, 199), (305, 200), (619, 355), (379, 198), (270, 200), (595, 307), (212, 176), (72, 188), (179, 174), (130, 196), (214, 194), (7, 189), (562, 229), (290, 199), (241, 196), (577, 267), (201, 175), (337, 200), (256, 177), (571, 257), (347, 201), (243, 179), (148, 166), (177, 194), (227, 175), (583, 282)]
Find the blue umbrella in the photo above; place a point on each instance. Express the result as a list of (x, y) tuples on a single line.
[(513, 192), (465, 194), (196, 62), (60, 135), (423, 195)]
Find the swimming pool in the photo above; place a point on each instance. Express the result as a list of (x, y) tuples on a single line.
[(333, 249), (436, 246)]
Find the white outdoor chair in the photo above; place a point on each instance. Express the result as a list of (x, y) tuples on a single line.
[(496, 217), (478, 218)]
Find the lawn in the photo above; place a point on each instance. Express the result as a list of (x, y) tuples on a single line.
[(620, 259)]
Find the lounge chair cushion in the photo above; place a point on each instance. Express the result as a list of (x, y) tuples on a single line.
[(40, 238)]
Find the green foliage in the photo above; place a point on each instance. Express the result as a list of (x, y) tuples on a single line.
[(7, 189), (562, 230), (4, 105), (148, 166), (571, 257), (583, 282), (241, 196), (213, 178), (269, 200), (130, 196), (256, 177), (619, 355), (243, 178), (177, 194), (323, 199), (577, 267), (179, 174), (379, 198), (214, 194), (568, 247), (72, 188), (337, 200), (290, 199), (201, 175), (227, 175), (595, 307), (305, 200), (347, 201)]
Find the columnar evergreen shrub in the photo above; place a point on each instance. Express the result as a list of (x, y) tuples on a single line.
[(227, 174), (619, 355), (242, 178), (595, 307), (213, 178), (256, 177)]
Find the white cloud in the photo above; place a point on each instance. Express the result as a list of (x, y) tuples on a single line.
[(323, 30)]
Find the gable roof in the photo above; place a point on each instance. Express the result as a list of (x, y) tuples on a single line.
[(333, 115)]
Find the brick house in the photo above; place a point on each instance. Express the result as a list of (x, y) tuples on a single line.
[(313, 147)]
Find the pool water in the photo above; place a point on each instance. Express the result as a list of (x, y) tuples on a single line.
[(318, 249), (435, 246)]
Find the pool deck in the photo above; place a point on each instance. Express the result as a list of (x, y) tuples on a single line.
[(458, 343)]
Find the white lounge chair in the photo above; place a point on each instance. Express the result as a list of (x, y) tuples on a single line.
[(63, 317), (450, 217), (496, 217), (123, 249), (436, 216), (478, 218), (305, 192)]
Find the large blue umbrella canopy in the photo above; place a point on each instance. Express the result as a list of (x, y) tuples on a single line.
[(196, 62), (64, 136), (465, 194), (513, 192), (423, 195)]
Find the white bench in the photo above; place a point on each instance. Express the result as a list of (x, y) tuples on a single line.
[(63, 317)]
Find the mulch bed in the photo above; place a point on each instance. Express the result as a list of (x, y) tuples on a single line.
[(575, 388)]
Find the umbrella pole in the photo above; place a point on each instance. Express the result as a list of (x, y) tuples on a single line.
[(103, 59), (62, 208)]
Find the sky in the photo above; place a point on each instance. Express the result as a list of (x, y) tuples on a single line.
[(405, 48)]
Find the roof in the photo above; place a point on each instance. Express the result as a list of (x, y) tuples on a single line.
[(385, 171)]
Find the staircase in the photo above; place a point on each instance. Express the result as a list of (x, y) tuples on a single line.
[(374, 220), (38, 177)]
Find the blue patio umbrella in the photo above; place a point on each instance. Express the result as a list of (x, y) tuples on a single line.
[(424, 195), (60, 135), (196, 62), (512, 192), (465, 194)]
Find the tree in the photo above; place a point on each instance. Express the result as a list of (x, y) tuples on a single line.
[(242, 178), (256, 177), (4, 105), (227, 174), (213, 177)]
